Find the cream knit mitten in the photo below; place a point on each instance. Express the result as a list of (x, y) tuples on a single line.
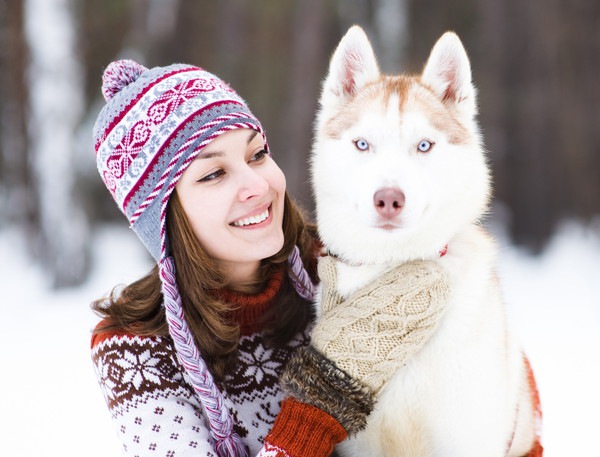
[(359, 343), (375, 331)]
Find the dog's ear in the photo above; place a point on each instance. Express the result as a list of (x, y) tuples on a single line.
[(448, 73), (352, 65)]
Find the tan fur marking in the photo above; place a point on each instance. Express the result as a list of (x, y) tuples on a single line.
[(443, 116), (341, 121), (349, 113), (407, 88), (400, 86)]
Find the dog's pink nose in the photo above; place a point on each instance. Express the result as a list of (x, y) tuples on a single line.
[(389, 202)]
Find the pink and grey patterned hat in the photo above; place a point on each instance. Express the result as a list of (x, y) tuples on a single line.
[(154, 124)]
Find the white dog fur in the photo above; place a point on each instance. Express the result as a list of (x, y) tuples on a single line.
[(466, 393)]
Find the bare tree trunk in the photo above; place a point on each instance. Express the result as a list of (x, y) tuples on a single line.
[(308, 53), (540, 99), (162, 19), (153, 22), (352, 12), (577, 70), (391, 27), (232, 30), (55, 109), (533, 157), (17, 203)]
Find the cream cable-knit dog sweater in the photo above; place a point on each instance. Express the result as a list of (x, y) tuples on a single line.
[(376, 330)]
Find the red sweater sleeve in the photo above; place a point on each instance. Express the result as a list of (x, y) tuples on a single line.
[(302, 430)]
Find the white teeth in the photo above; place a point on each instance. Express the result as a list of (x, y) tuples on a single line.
[(252, 220)]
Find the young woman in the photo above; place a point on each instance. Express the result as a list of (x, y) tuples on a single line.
[(209, 354)]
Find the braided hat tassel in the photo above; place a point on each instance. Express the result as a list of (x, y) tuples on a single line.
[(227, 442), (300, 277)]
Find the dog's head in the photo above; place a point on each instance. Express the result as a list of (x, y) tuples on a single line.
[(397, 165)]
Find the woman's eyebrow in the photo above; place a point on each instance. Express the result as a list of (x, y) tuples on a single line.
[(252, 135), (212, 154)]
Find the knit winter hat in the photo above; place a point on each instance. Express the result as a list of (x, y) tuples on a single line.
[(156, 121)]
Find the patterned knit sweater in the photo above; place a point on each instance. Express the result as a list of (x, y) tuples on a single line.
[(157, 414)]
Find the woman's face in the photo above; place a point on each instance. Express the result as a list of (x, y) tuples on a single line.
[(233, 196)]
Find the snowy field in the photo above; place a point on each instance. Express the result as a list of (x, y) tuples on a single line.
[(51, 405)]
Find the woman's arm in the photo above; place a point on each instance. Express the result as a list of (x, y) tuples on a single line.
[(156, 413)]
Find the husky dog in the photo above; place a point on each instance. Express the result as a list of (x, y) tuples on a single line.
[(399, 174)]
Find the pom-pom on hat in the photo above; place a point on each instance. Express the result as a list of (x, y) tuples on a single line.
[(156, 121)]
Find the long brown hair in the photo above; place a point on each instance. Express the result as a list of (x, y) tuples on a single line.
[(137, 308)]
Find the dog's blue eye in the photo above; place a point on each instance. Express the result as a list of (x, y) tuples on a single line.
[(361, 144), (425, 146)]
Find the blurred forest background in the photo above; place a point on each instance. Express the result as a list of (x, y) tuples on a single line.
[(536, 64)]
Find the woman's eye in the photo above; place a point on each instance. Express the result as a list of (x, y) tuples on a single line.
[(212, 176), (361, 144), (259, 155), (425, 146)]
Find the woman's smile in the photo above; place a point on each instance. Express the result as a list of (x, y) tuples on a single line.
[(259, 219)]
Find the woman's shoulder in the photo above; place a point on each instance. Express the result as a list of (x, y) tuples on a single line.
[(103, 336), (136, 372)]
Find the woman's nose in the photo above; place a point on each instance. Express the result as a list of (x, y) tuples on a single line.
[(252, 184)]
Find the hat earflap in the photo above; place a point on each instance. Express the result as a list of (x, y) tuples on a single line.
[(227, 442), (300, 277)]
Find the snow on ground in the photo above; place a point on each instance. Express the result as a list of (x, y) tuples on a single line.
[(51, 404), (554, 302)]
